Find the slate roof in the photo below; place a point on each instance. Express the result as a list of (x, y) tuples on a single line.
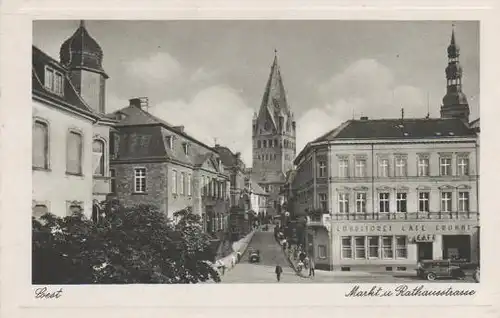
[(400, 129), (70, 99)]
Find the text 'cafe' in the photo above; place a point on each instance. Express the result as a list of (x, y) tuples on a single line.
[(400, 245)]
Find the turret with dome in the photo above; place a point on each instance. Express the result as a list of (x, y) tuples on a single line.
[(83, 57)]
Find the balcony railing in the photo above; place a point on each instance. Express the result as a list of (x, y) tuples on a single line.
[(407, 216)]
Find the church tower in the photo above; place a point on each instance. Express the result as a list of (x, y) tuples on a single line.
[(455, 103), (82, 55), (273, 137)]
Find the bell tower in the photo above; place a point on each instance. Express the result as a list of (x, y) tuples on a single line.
[(455, 103), (82, 55)]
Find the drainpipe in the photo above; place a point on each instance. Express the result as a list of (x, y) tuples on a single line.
[(373, 184)]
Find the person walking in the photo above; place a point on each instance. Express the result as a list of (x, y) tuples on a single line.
[(311, 268), (278, 272)]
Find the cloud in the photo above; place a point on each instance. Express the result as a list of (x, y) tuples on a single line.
[(159, 67), (202, 75), (365, 88), (215, 112)]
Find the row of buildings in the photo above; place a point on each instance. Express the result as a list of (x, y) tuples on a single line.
[(386, 193), (83, 155)]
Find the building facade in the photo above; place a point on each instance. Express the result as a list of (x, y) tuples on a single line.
[(386, 193), (70, 132), (273, 137), (156, 163)]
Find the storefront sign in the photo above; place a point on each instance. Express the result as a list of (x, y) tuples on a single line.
[(422, 238), (403, 227)]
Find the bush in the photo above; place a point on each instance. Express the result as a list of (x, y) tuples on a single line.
[(127, 246)]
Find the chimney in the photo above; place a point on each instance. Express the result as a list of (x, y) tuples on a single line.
[(179, 128), (139, 102), (363, 118)]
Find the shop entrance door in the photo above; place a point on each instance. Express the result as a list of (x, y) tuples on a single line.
[(424, 250)]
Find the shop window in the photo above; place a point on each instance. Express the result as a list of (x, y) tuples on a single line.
[(401, 202), (322, 251), (360, 247), (346, 247), (387, 252), (401, 247), (423, 201), (373, 247), (384, 201), (361, 202)]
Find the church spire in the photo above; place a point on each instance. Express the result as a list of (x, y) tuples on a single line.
[(455, 103)]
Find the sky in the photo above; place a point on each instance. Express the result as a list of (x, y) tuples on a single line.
[(210, 75)]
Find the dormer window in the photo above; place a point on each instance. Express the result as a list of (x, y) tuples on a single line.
[(170, 141), (185, 147), (53, 81)]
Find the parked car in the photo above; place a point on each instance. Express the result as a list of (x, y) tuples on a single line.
[(254, 256), (433, 269)]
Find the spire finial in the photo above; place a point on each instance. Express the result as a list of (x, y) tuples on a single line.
[(453, 33), (82, 23)]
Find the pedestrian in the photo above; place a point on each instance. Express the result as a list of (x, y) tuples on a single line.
[(278, 272), (311, 268)]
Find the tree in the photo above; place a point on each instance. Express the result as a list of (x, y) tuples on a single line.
[(130, 245)]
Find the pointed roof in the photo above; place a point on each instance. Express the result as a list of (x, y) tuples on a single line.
[(274, 99), (453, 48)]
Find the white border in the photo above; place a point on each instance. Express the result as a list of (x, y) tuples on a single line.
[(16, 121)]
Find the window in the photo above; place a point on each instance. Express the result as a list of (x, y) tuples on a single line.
[(387, 247), (400, 167), (360, 247), (343, 203), (343, 168), (182, 183), (170, 142), (74, 153), (360, 168), (346, 247), (423, 166), (74, 207), (445, 166), (446, 201), (275, 142), (322, 251), (40, 155), (213, 188), (463, 201), (401, 247), (373, 247), (401, 202), (40, 210), (423, 201), (361, 202), (140, 180), (189, 181), (258, 143), (383, 198), (322, 169), (53, 81), (323, 201), (383, 166), (264, 144), (205, 185), (98, 156), (174, 182), (463, 166), (185, 147)]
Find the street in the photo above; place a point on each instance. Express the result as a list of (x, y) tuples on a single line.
[(272, 254)]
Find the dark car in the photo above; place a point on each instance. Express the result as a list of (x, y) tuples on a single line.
[(433, 269), (254, 256)]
